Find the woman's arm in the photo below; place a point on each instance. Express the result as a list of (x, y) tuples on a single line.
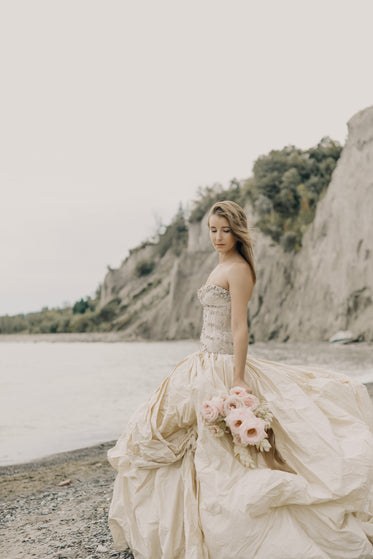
[(241, 288)]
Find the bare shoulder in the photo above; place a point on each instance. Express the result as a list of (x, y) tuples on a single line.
[(239, 270), (240, 277)]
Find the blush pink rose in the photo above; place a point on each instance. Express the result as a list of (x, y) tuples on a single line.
[(219, 401), (237, 417), (238, 391), (211, 410), (252, 431), (231, 403), (250, 401)]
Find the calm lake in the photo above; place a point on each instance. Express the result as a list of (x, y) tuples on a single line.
[(62, 396)]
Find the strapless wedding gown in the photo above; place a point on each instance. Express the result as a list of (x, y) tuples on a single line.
[(180, 493)]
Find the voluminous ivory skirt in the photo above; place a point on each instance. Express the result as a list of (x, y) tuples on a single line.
[(180, 493)]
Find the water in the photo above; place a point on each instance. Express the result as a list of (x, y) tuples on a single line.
[(61, 396)]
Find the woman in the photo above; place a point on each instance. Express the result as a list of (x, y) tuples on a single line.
[(181, 493)]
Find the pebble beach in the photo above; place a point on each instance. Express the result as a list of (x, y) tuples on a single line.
[(57, 507)]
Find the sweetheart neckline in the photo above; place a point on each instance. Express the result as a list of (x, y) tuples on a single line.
[(214, 285)]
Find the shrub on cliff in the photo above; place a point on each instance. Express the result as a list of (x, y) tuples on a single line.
[(109, 311), (144, 267), (288, 241), (208, 195), (175, 236), (284, 189), (286, 186)]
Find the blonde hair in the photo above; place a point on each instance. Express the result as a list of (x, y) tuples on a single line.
[(237, 220)]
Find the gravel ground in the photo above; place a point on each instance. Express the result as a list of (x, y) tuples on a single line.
[(40, 518)]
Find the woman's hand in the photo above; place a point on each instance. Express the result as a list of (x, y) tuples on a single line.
[(242, 383)]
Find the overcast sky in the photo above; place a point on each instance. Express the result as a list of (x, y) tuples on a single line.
[(112, 112)]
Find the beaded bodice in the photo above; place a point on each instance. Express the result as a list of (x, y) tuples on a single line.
[(216, 333)]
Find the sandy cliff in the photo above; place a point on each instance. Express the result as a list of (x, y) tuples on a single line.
[(325, 287), (333, 273)]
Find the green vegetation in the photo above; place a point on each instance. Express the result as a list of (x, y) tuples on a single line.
[(144, 267), (208, 195), (286, 186), (83, 316), (82, 306), (284, 189), (140, 247), (175, 236)]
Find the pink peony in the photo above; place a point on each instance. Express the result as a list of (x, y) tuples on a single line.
[(219, 401), (211, 410), (250, 401), (238, 391), (238, 417), (252, 431), (231, 403)]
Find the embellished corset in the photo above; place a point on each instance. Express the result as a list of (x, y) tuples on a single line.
[(216, 333)]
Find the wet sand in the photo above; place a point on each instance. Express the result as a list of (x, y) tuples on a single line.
[(40, 518)]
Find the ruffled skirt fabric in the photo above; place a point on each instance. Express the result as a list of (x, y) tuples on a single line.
[(180, 493)]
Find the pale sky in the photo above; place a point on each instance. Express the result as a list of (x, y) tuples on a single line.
[(112, 112)]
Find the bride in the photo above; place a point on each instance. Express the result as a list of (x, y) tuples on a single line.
[(182, 493)]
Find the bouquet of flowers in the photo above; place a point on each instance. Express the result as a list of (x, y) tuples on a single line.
[(244, 417)]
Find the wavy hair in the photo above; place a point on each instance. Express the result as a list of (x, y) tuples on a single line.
[(237, 220)]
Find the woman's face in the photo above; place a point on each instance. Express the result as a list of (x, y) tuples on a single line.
[(221, 234)]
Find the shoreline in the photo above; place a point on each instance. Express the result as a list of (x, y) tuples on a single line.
[(57, 458), (70, 337), (120, 336), (85, 337)]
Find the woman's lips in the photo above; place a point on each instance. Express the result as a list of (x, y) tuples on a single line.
[(219, 245)]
